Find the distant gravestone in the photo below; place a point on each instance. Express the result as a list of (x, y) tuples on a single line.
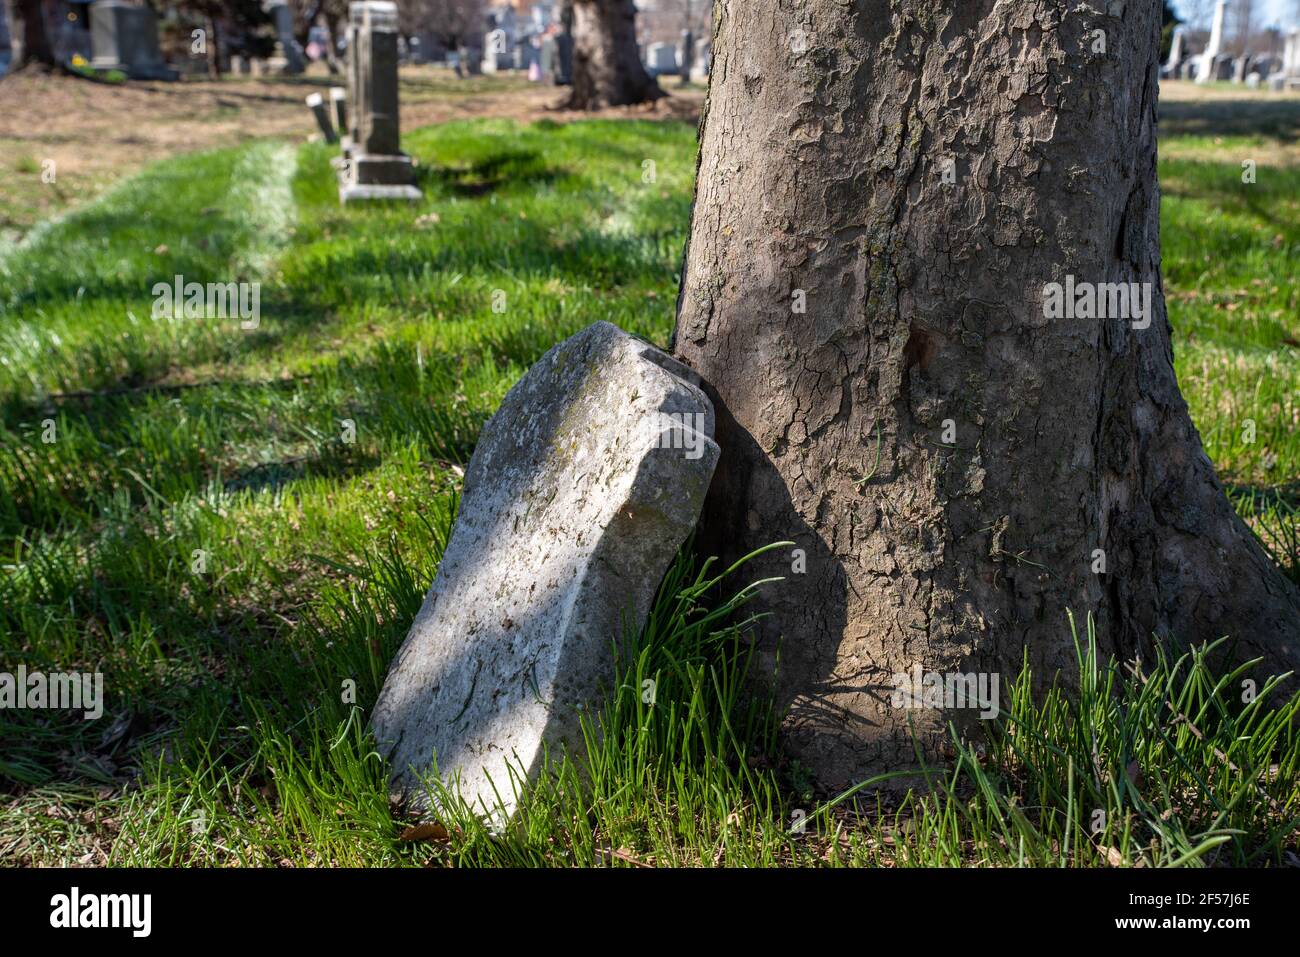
[(288, 57), (1174, 64), (563, 59), (1209, 66), (375, 166), (661, 58), (1287, 73), (582, 487), (496, 52), (125, 37)]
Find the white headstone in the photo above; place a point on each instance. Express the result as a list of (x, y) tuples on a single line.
[(1175, 52)]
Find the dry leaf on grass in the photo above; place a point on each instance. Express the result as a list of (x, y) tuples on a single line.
[(425, 832)]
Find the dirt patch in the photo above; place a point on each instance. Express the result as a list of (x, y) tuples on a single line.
[(89, 135)]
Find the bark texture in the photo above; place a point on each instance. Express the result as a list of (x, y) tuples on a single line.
[(825, 141), (607, 68), (36, 41)]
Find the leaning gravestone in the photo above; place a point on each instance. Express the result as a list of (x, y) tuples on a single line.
[(124, 37), (375, 166), (316, 103), (580, 491), (339, 100)]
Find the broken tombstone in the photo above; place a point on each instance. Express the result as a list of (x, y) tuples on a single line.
[(580, 491)]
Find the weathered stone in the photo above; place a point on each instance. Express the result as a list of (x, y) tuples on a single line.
[(580, 491)]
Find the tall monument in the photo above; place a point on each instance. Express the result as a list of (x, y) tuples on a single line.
[(1205, 70), (374, 165)]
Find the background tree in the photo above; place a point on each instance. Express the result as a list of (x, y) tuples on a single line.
[(882, 200), (333, 14), (221, 21), (1241, 16), (607, 68), (457, 24), (6, 43), (37, 50)]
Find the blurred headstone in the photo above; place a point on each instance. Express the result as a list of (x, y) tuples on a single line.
[(124, 37), (375, 166), (496, 54), (339, 99), (1171, 66), (288, 57), (563, 59), (1288, 72), (661, 58), (316, 103), (1208, 66)]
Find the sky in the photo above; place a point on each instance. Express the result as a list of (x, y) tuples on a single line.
[(1269, 12)]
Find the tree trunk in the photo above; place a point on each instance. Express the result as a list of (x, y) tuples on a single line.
[(214, 48), (332, 44), (36, 42), (6, 43), (891, 395), (607, 68)]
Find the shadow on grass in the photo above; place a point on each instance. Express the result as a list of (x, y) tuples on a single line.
[(516, 168), (1279, 119)]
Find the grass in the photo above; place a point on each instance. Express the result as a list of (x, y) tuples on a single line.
[(236, 526)]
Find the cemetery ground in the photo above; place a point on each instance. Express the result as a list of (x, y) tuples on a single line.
[(237, 526), (96, 133)]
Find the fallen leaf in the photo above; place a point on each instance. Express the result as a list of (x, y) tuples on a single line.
[(432, 831)]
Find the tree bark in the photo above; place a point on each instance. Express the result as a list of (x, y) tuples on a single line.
[(214, 47), (607, 68), (36, 41), (947, 458), (331, 54)]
